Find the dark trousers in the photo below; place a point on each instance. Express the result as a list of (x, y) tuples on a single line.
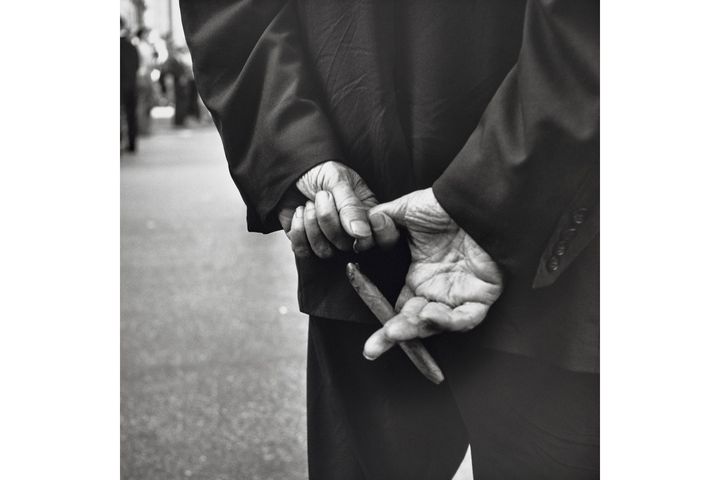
[(382, 420), (128, 102)]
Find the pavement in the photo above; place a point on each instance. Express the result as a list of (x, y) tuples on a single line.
[(213, 345)]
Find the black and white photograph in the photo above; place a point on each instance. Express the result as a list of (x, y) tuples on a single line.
[(430, 170), (360, 240)]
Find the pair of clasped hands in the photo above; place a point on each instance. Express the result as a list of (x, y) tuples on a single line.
[(451, 282)]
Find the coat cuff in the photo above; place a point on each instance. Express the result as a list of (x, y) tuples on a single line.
[(263, 217)]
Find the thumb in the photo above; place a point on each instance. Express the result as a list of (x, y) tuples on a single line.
[(385, 232), (353, 214), (395, 209)]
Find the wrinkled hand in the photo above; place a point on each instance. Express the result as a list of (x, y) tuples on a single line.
[(451, 283), (334, 215)]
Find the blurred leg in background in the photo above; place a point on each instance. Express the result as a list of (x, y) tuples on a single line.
[(128, 99)]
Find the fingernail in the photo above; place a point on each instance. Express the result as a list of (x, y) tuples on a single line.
[(323, 194), (378, 221), (368, 357), (360, 228)]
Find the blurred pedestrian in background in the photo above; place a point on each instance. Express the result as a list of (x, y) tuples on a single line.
[(129, 64), (178, 83), (145, 91)]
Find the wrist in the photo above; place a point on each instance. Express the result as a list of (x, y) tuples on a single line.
[(430, 204)]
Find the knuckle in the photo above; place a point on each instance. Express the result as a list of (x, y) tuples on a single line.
[(392, 332), (325, 216), (349, 209)]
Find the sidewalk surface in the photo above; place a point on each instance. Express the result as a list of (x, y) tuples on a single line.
[(213, 346), (212, 343)]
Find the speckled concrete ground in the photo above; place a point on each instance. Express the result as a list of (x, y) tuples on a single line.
[(213, 346), (213, 357)]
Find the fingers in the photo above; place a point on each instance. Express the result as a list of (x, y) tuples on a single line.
[(384, 230), (329, 221), (318, 243), (436, 317), (468, 316), (405, 295), (473, 289), (401, 326), (420, 319), (285, 218), (353, 215), (363, 192), (287, 205), (396, 209), (416, 320), (297, 236)]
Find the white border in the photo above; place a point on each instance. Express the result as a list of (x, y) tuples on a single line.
[(59, 267)]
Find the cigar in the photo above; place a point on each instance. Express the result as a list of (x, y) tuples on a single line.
[(378, 304)]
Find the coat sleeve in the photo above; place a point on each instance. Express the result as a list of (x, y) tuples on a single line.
[(251, 73), (537, 144)]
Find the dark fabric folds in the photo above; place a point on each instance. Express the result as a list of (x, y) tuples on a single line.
[(252, 74), (493, 103), (537, 140)]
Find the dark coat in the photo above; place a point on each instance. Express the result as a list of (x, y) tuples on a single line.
[(493, 103)]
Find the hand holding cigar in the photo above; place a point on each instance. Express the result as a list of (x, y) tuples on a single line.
[(451, 282), (378, 304)]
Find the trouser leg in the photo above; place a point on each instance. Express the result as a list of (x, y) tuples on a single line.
[(526, 419), (129, 101), (375, 420), (330, 450)]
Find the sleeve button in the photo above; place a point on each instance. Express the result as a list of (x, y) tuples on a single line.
[(553, 264), (561, 248), (568, 233), (580, 215)]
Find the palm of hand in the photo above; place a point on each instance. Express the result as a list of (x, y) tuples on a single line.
[(452, 281), (450, 268)]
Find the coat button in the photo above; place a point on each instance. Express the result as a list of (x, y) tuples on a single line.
[(569, 233), (580, 215), (561, 248), (553, 264)]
